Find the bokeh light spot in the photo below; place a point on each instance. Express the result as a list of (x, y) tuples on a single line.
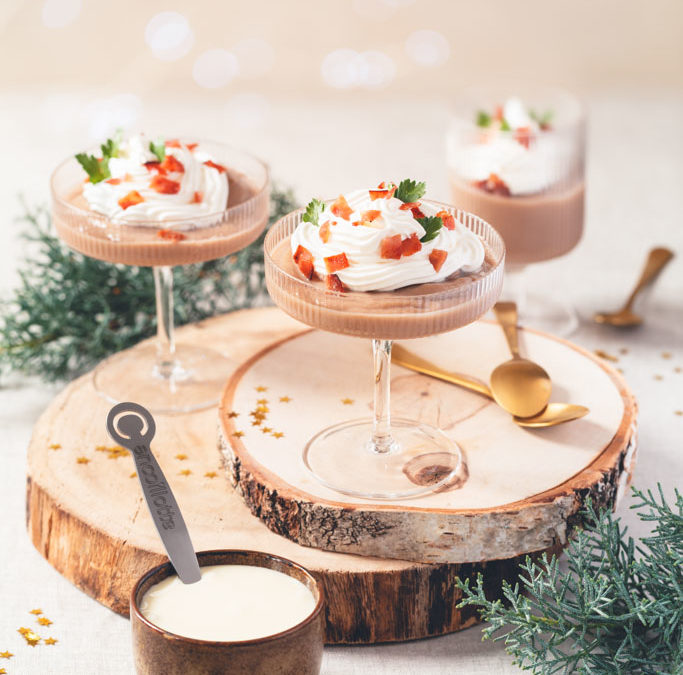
[(104, 116), (169, 36), (346, 69), (248, 110), (428, 48), (215, 68), (60, 13), (254, 56)]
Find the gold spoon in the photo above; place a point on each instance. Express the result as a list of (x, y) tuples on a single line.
[(625, 317), (554, 413), (519, 386)]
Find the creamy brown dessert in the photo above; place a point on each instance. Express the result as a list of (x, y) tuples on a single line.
[(516, 171), (174, 206), (388, 267)]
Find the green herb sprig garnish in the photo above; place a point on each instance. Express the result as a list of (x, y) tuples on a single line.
[(98, 168), (158, 149), (432, 226), (313, 211), (542, 119), (410, 190), (483, 119)]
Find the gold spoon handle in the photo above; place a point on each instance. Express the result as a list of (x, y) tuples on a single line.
[(506, 313), (403, 357), (657, 260)]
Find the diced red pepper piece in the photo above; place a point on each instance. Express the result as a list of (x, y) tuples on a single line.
[(334, 263), (341, 208), (493, 184), (390, 247), (408, 206), (498, 113), (304, 261), (172, 164), (437, 257), (417, 213), (131, 199), (113, 181), (411, 245), (334, 283), (173, 143), (523, 136), (324, 231), (191, 146), (164, 186), (369, 216), (447, 219), (382, 193), (154, 166), (356, 223), (197, 198), (171, 235), (545, 126), (219, 167)]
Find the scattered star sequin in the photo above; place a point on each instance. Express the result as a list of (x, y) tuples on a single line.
[(82, 460), (256, 422), (677, 369), (50, 641), (678, 412), (36, 611), (31, 638), (134, 474), (184, 472), (262, 401), (605, 355), (232, 413), (277, 434), (44, 621), (658, 377), (285, 399), (263, 409), (55, 446), (347, 401), (113, 451), (210, 474), (6, 655), (181, 456), (238, 434), (261, 388), (3, 671), (666, 355), (266, 430)]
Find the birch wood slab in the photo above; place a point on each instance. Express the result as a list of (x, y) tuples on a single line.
[(88, 519), (525, 487)]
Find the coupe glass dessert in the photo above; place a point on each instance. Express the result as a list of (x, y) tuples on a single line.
[(161, 203), (519, 164), (383, 264)]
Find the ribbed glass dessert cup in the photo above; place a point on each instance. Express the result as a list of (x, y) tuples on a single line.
[(164, 376), (538, 205), (382, 457)]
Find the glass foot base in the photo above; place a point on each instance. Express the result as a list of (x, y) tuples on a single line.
[(195, 381), (422, 460), (548, 315)]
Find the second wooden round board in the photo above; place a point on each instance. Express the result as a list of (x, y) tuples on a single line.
[(524, 489)]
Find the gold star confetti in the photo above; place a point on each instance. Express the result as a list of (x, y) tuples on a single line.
[(3, 671), (55, 446), (262, 409), (134, 474), (232, 413), (238, 434), (285, 399), (44, 621), (113, 451), (677, 369), (623, 350), (82, 460), (666, 355), (658, 377), (678, 412), (210, 474), (347, 401), (181, 456), (277, 434), (184, 472), (256, 422), (6, 655), (604, 355), (50, 641), (31, 638), (36, 611), (261, 388), (262, 401), (266, 430), (257, 414)]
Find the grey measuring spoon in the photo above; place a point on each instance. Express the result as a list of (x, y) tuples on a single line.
[(133, 427)]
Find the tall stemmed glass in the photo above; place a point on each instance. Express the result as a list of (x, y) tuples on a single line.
[(165, 376), (383, 457)]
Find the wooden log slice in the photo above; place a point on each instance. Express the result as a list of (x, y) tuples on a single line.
[(522, 490), (88, 519)]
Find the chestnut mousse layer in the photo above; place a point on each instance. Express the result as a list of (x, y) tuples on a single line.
[(410, 312), (93, 235)]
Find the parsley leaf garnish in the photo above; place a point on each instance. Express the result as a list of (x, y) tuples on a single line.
[(313, 211), (158, 149), (98, 169), (432, 225), (410, 190), (504, 126), (483, 119), (543, 120)]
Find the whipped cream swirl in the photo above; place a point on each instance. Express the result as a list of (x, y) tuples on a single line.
[(362, 244), (186, 188), (525, 168)]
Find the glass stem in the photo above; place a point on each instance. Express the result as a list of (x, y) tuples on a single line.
[(382, 441), (515, 286), (163, 284)]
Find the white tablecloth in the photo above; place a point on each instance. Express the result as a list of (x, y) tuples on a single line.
[(634, 201)]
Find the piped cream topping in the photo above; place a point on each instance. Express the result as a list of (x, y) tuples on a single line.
[(385, 226), (148, 192)]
